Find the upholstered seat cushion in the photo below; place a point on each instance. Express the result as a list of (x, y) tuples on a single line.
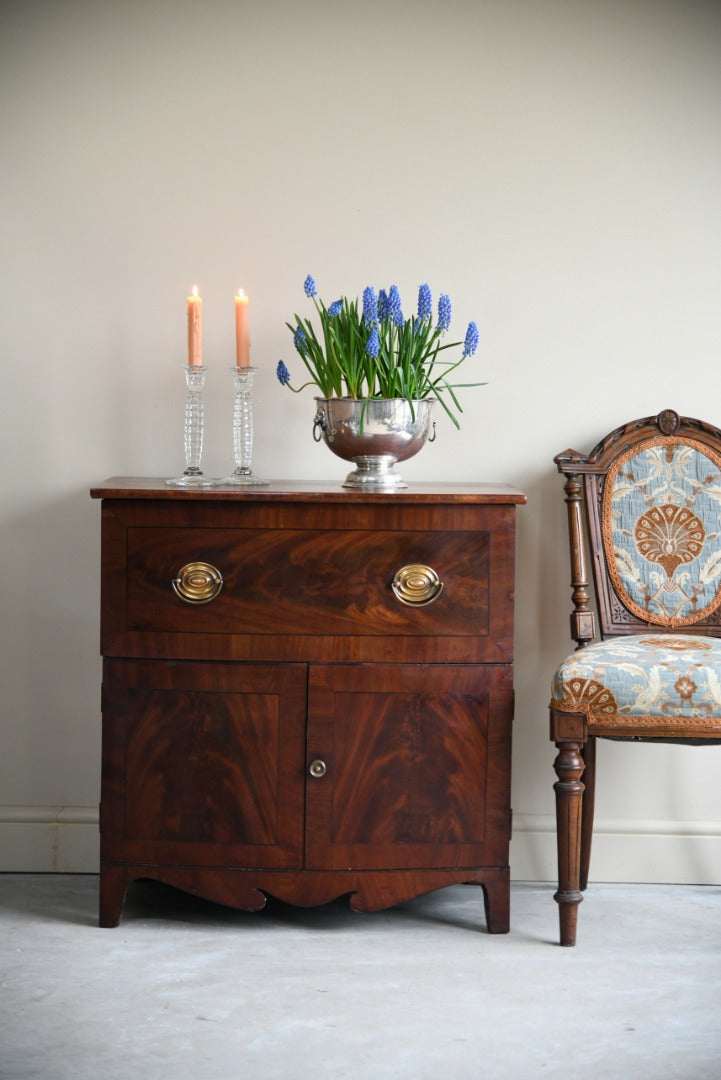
[(642, 678)]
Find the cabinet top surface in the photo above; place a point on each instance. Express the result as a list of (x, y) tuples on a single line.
[(132, 487)]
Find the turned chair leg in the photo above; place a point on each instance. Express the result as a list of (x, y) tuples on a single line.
[(589, 800), (569, 790)]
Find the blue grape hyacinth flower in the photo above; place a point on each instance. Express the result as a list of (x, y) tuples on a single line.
[(394, 305), (370, 306), (383, 305), (444, 312), (282, 373), (373, 345), (424, 302), (310, 286), (471, 343), (335, 309), (300, 341)]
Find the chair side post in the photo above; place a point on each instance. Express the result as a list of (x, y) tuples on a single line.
[(583, 627)]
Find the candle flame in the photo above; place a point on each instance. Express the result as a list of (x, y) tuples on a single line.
[(195, 291), (241, 295)]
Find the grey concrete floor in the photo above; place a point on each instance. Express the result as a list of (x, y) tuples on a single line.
[(185, 988)]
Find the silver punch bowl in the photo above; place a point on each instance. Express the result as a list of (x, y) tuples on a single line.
[(373, 433)]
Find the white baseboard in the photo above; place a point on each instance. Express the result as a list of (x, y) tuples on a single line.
[(65, 839), (49, 839), (648, 852)]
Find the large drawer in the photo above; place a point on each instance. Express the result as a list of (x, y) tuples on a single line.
[(338, 593)]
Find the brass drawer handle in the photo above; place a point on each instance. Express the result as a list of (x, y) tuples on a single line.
[(198, 583), (417, 585), (317, 768)]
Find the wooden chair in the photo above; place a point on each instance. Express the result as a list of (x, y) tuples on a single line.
[(645, 505)]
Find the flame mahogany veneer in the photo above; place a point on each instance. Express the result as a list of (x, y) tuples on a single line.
[(304, 734)]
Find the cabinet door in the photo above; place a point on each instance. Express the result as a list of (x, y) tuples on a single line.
[(417, 766), (203, 764)]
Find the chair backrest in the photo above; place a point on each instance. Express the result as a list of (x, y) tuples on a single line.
[(648, 498)]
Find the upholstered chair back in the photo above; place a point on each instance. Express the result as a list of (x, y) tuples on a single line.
[(652, 495), (660, 520)]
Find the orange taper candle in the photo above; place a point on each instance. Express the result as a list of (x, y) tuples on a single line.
[(195, 329), (242, 334)]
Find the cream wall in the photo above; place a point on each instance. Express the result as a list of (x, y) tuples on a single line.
[(555, 167)]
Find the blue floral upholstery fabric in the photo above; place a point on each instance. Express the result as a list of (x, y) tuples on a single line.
[(661, 524), (643, 675)]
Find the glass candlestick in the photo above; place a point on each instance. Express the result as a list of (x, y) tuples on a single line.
[(242, 429), (193, 430)]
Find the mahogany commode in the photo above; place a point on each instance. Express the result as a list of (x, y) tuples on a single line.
[(307, 692)]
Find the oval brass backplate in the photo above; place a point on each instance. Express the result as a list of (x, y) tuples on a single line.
[(198, 582), (417, 585)]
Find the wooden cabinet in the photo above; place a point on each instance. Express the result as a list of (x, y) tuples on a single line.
[(306, 692)]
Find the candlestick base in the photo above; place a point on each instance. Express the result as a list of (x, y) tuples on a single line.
[(190, 478), (242, 477)]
